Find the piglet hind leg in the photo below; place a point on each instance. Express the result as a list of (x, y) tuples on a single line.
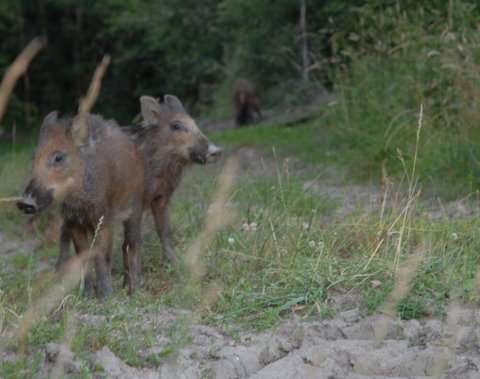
[(162, 223), (102, 262), (131, 253), (64, 244), (81, 242)]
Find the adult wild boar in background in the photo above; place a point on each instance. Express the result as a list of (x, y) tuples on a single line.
[(92, 170), (246, 102), (168, 139)]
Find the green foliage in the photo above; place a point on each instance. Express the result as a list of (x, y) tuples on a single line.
[(420, 62), (393, 58), (195, 51), (150, 44)]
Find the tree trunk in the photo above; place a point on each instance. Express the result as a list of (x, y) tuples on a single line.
[(27, 111), (77, 53), (303, 31)]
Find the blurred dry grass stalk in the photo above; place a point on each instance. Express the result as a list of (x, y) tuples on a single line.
[(70, 322), (451, 332), (9, 199), (88, 101), (404, 214), (404, 273), (16, 70), (218, 216), (404, 276), (44, 304), (449, 342)]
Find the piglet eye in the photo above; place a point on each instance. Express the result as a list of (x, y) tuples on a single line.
[(58, 157), (176, 126)]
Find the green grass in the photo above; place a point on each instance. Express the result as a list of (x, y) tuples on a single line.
[(15, 165), (287, 251), (308, 141)]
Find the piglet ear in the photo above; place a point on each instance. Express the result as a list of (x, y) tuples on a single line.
[(80, 129), (48, 121), (174, 104), (151, 109)]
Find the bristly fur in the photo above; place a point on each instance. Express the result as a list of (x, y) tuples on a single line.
[(168, 139), (160, 161), (94, 172)]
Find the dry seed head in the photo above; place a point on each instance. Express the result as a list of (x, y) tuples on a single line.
[(17, 69), (404, 276), (218, 217), (9, 199)]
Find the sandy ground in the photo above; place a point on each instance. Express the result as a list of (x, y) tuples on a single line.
[(342, 347)]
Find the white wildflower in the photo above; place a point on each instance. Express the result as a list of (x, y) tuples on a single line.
[(375, 283)]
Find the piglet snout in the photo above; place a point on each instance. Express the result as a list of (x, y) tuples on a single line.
[(213, 152), (27, 204)]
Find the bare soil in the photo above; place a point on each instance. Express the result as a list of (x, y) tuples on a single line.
[(342, 347)]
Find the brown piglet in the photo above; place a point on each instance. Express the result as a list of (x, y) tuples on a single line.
[(94, 172), (168, 139)]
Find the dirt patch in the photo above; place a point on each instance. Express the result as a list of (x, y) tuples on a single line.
[(342, 347), (351, 197), (13, 246)]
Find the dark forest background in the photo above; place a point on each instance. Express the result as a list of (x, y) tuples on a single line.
[(192, 48)]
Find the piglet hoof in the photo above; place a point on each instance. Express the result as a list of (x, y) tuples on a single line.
[(133, 284), (103, 291), (89, 286)]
